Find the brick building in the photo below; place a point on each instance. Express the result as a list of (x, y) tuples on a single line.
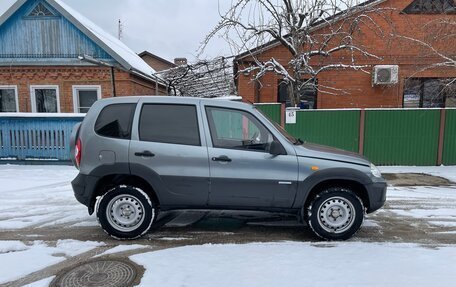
[(426, 76), (156, 62), (53, 59)]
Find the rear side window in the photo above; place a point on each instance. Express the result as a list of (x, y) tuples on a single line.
[(115, 121), (173, 124)]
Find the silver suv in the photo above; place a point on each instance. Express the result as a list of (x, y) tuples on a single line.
[(139, 155)]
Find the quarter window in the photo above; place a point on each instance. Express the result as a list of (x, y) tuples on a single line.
[(115, 121), (45, 99), (172, 124), (84, 97), (8, 100), (235, 129)]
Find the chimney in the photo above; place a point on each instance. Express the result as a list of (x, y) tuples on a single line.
[(180, 61)]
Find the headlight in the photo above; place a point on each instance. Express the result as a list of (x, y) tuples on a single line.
[(375, 171)]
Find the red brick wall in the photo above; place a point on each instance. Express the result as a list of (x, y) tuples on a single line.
[(67, 77), (157, 64), (356, 89)]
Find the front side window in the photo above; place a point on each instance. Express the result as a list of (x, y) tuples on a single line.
[(172, 124), (236, 129), (8, 100), (45, 99), (84, 97), (115, 121)]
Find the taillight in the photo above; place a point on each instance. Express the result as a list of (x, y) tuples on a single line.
[(78, 152)]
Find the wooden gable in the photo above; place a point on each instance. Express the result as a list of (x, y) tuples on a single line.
[(37, 33)]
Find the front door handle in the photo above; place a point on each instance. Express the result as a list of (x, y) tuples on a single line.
[(145, 153), (222, 158)]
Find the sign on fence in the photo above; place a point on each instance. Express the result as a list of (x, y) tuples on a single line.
[(291, 116)]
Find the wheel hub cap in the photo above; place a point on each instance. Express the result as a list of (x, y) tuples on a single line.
[(125, 213), (336, 215)]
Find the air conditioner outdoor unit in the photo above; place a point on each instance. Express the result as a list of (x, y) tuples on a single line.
[(386, 75)]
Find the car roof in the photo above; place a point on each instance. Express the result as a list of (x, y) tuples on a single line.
[(176, 100)]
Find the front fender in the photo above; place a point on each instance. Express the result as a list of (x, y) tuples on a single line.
[(305, 187)]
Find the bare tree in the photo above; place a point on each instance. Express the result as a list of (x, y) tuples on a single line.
[(441, 35), (205, 78), (312, 31), (438, 46)]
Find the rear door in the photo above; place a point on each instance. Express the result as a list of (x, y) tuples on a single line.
[(167, 148)]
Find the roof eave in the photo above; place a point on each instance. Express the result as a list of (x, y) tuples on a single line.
[(5, 16), (156, 57), (90, 34), (275, 43)]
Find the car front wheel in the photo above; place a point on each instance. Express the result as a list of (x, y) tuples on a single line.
[(335, 214), (125, 212)]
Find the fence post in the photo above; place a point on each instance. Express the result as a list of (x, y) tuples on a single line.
[(362, 124), (282, 115), (441, 137)]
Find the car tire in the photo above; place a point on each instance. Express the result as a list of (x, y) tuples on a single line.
[(125, 212), (337, 213)]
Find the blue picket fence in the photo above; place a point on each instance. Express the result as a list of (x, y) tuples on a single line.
[(37, 138)]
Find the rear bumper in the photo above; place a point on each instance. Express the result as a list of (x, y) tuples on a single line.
[(377, 195), (84, 187)]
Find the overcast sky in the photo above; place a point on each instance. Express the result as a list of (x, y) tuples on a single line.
[(167, 28)]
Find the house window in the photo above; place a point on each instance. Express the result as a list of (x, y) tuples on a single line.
[(430, 93), (431, 7), (84, 97), (8, 99), (307, 95), (41, 10), (45, 99)]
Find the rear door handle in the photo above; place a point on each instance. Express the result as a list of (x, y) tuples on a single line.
[(145, 153), (222, 158)]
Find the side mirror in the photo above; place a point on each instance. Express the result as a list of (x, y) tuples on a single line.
[(275, 148)]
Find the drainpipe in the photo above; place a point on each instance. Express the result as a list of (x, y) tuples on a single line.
[(113, 82), (89, 59)]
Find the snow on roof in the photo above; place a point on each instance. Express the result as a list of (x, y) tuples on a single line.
[(128, 57)]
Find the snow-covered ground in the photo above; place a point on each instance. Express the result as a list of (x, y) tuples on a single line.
[(300, 264), (448, 172), (20, 259), (37, 198)]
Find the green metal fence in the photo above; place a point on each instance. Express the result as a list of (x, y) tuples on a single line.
[(333, 128), (449, 143), (402, 137), (385, 136), (273, 111)]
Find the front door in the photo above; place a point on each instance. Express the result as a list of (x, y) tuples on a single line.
[(243, 172), (167, 149)]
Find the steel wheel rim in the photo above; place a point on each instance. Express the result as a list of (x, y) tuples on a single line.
[(125, 213), (336, 215)]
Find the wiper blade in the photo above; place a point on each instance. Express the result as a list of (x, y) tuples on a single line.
[(298, 141)]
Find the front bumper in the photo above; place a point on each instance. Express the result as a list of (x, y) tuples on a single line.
[(377, 195)]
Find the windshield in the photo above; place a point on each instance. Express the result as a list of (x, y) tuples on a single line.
[(289, 137), (292, 139)]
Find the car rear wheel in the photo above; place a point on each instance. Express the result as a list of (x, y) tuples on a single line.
[(335, 214), (125, 212)]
